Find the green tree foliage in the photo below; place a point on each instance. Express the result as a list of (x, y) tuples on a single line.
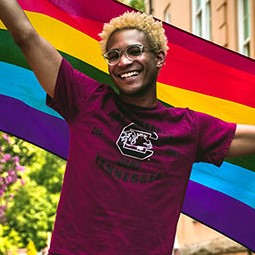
[(137, 4), (10, 173), (48, 172), (9, 240), (32, 214), (31, 211)]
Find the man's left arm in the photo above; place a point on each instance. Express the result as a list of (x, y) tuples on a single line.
[(243, 142)]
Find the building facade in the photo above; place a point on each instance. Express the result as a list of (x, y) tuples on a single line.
[(228, 23), (231, 24)]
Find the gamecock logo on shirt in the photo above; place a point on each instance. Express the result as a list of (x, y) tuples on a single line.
[(136, 143)]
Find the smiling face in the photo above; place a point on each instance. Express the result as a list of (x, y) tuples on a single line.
[(135, 79)]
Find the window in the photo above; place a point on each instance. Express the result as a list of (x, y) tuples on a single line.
[(244, 27), (201, 18), (167, 14)]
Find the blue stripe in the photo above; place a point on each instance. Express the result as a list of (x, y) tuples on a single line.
[(229, 179), (21, 84)]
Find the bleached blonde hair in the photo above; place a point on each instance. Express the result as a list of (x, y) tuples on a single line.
[(152, 28)]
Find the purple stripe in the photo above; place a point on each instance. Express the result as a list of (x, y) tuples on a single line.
[(222, 213), (43, 130), (218, 211)]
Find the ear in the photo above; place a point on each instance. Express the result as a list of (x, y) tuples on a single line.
[(160, 58)]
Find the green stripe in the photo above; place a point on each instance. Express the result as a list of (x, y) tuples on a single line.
[(89, 70), (247, 162), (11, 53)]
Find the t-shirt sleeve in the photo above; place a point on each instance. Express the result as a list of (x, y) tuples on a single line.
[(214, 138), (72, 90)]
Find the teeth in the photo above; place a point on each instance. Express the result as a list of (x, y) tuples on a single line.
[(126, 75)]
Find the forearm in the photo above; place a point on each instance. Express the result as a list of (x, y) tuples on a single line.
[(16, 21)]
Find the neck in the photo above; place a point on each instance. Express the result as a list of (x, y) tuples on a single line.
[(141, 101)]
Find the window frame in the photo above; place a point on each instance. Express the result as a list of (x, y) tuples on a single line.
[(167, 14), (244, 43), (201, 19)]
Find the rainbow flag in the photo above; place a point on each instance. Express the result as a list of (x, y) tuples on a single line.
[(198, 75)]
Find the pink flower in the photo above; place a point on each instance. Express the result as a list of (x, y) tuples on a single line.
[(16, 159), (22, 182), (9, 179), (20, 168), (1, 192), (6, 137), (11, 172), (5, 158)]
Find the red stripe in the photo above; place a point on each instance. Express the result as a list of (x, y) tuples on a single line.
[(193, 63), (189, 70), (96, 12), (209, 49), (99, 11)]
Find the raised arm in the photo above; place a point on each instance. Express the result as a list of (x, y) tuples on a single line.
[(42, 57), (243, 142)]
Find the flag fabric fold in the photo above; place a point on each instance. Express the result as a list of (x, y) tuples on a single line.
[(198, 74)]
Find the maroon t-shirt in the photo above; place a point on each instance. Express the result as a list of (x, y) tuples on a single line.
[(128, 169)]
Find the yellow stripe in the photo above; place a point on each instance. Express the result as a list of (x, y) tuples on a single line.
[(2, 25), (77, 44), (67, 39), (223, 109)]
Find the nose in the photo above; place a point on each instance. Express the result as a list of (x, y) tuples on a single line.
[(124, 60)]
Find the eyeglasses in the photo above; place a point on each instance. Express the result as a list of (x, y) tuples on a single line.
[(132, 52)]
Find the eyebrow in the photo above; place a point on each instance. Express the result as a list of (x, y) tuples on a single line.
[(133, 44)]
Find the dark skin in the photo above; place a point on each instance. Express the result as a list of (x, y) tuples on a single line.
[(140, 89), (139, 84)]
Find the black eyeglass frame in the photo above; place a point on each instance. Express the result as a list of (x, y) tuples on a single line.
[(125, 52)]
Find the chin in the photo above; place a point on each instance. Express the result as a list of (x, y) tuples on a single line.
[(130, 90)]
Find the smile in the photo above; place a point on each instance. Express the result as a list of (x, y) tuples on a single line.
[(129, 74)]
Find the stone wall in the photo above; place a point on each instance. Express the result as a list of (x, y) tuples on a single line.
[(219, 246)]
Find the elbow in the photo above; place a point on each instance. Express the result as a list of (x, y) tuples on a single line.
[(24, 40)]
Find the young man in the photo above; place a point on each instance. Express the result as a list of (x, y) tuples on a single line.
[(125, 183)]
